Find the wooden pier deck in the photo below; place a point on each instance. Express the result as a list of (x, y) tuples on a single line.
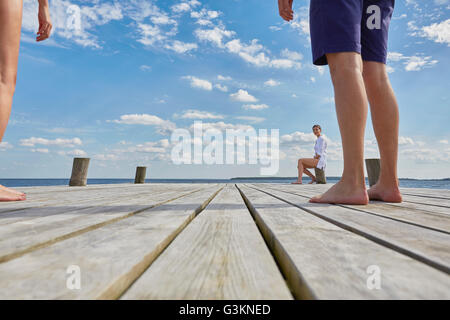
[(222, 241)]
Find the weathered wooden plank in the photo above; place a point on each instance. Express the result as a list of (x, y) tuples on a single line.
[(439, 193), (427, 246), (423, 207), (424, 204), (426, 219), (321, 260), (110, 258), (56, 195), (20, 238), (81, 201), (220, 255)]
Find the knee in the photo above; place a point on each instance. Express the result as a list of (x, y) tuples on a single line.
[(8, 83), (344, 64), (375, 74)]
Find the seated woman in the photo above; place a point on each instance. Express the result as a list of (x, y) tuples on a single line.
[(320, 157)]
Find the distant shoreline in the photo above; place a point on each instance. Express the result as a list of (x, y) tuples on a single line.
[(224, 179)]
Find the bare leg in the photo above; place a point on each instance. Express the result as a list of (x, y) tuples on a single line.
[(309, 174), (351, 109), (302, 165), (300, 172), (385, 119), (10, 24)]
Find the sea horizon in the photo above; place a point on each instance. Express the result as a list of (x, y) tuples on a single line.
[(443, 183)]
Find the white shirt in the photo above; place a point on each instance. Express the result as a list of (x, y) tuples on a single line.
[(321, 149)]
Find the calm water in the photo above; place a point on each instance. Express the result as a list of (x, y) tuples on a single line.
[(406, 183)]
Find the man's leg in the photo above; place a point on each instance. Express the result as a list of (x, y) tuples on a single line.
[(385, 119), (10, 24), (351, 109)]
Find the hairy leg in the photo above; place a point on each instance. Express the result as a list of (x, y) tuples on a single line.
[(385, 120), (10, 24), (351, 109)]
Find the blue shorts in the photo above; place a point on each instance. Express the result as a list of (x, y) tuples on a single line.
[(350, 25)]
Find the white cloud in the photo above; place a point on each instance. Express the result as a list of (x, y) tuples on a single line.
[(255, 106), (150, 34), (251, 119), (105, 157), (416, 63), (74, 153), (181, 47), (389, 69), (298, 137), (5, 145), (164, 126), (444, 141), (222, 126), (320, 69), (285, 64), (223, 78), (204, 16), (31, 142), (40, 150), (405, 141), (198, 114), (243, 96), (221, 87), (395, 56), (145, 67), (215, 35), (185, 6), (291, 55), (272, 83), (162, 19), (301, 21), (412, 63), (199, 83), (438, 32)]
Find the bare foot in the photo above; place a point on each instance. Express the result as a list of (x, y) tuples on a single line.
[(297, 182), (2, 187), (344, 193), (385, 193), (6, 195), (312, 181)]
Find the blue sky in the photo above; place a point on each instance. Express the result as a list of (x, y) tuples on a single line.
[(115, 88)]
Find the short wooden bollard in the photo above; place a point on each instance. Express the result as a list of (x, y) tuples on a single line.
[(79, 172), (140, 175), (373, 170), (320, 176)]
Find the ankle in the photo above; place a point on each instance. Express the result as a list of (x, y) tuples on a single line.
[(388, 182), (356, 182)]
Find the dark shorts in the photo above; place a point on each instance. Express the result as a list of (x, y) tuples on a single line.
[(350, 25)]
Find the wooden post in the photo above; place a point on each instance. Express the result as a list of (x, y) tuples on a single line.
[(373, 170), (79, 172), (140, 175), (320, 176)]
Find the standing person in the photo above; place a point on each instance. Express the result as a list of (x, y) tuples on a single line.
[(351, 37), (10, 25), (318, 161)]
